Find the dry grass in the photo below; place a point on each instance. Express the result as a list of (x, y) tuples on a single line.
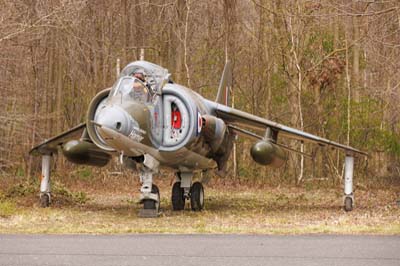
[(228, 210)]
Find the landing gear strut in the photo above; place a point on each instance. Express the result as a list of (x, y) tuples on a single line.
[(45, 188)]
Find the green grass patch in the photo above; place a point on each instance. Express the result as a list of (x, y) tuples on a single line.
[(61, 193), (7, 208), (21, 189)]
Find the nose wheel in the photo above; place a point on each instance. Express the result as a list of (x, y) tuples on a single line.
[(150, 204)]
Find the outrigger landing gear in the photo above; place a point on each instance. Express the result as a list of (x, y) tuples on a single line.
[(150, 197), (183, 190), (45, 188), (348, 183)]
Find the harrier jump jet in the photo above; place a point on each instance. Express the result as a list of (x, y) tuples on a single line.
[(151, 123)]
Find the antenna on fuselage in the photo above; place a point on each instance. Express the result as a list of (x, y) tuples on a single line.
[(141, 57), (118, 67)]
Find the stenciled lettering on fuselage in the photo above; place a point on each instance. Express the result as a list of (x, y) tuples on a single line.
[(136, 134)]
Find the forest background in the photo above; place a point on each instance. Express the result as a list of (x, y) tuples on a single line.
[(330, 68)]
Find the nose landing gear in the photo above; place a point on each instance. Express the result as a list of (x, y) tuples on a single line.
[(150, 197)]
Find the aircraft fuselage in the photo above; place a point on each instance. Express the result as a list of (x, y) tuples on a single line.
[(177, 127)]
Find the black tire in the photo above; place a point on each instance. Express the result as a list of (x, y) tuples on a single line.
[(197, 196), (44, 200), (348, 204), (177, 197), (149, 204)]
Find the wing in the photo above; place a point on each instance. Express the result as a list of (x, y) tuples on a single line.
[(235, 118), (50, 145)]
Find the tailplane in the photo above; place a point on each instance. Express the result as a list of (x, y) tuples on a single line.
[(225, 85)]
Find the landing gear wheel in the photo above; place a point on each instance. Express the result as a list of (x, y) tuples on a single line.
[(177, 197), (149, 204), (348, 204), (44, 200), (197, 196)]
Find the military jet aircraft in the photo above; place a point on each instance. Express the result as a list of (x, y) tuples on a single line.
[(151, 123)]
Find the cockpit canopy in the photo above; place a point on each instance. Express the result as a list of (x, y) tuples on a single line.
[(155, 76), (131, 89), (139, 81)]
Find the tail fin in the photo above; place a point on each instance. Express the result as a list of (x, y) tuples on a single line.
[(225, 84)]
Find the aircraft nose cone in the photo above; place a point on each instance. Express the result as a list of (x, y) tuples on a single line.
[(116, 119)]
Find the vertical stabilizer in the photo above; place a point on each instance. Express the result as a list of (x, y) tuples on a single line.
[(225, 84)]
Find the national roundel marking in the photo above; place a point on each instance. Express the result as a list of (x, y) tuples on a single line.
[(199, 122)]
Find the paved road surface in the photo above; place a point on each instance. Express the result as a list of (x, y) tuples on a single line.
[(187, 250)]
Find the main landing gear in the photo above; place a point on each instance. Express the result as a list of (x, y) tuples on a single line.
[(182, 190)]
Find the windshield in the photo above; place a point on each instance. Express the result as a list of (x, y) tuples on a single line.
[(130, 89)]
